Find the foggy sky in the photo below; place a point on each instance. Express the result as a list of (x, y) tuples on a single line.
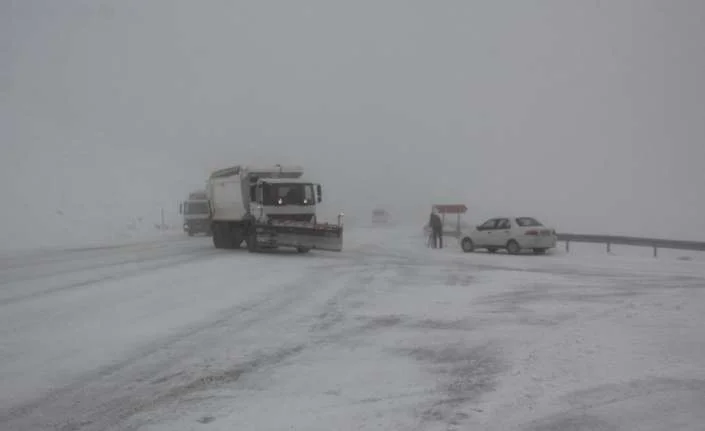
[(587, 114)]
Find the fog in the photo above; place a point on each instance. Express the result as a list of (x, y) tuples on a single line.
[(586, 114)]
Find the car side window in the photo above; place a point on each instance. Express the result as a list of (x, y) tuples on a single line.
[(527, 222), (489, 224), (503, 224)]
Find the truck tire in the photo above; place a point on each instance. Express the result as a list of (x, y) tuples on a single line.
[(235, 239), (252, 243), (217, 236)]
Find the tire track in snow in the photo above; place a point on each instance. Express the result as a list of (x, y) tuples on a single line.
[(33, 258), (115, 393), (326, 315), (161, 263), (36, 270)]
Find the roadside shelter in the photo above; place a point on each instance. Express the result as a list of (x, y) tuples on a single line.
[(450, 209)]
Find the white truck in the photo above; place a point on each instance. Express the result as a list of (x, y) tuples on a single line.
[(196, 213), (268, 207), (380, 216)]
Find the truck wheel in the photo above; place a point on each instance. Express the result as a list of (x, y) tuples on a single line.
[(218, 236), (235, 240), (252, 243)]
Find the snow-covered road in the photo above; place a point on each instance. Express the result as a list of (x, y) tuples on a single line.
[(171, 334)]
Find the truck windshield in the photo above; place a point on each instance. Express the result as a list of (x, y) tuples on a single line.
[(287, 194), (196, 208)]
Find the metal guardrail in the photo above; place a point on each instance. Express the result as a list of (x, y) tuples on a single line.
[(654, 243), (609, 240)]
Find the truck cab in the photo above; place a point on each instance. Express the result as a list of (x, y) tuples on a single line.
[(196, 214), (380, 216), (284, 199)]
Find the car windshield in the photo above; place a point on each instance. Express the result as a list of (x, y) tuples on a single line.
[(287, 194), (527, 222), (196, 208)]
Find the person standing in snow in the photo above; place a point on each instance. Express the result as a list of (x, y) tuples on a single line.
[(436, 226)]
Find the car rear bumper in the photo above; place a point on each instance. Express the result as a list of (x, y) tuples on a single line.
[(538, 241)]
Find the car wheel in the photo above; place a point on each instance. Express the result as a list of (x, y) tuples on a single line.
[(467, 245), (513, 247)]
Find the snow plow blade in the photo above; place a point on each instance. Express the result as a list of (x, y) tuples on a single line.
[(304, 236)]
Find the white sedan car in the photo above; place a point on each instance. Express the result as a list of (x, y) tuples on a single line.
[(513, 234)]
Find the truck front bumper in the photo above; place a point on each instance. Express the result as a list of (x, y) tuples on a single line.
[(313, 237), (197, 226)]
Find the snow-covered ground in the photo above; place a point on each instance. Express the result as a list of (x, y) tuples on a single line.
[(58, 229), (171, 334)]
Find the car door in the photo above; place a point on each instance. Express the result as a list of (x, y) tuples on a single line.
[(483, 233), (501, 233)]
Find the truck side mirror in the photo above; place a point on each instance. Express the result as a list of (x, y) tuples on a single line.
[(319, 193)]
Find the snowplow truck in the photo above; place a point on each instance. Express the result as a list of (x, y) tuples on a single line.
[(268, 208)]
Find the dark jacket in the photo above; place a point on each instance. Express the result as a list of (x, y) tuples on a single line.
[(435, 222)]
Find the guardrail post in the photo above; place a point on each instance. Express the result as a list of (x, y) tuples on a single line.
[(567, 246), (609, 247), (655, 251)]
